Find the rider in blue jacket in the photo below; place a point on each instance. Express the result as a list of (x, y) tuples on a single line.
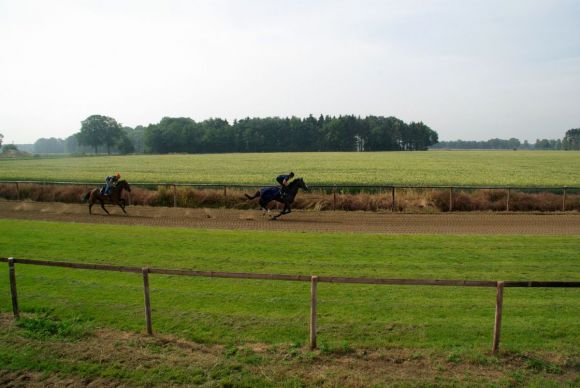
[(110, 182), (283, 180)]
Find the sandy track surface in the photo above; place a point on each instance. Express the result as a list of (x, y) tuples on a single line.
[(365, 222)]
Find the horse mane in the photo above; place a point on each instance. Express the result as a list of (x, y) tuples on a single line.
[(122, 184)]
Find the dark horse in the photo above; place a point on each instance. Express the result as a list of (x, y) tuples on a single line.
[(267, 194), (114, 198)]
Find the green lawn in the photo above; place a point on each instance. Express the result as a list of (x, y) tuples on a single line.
[(231, 311), (524, 168)]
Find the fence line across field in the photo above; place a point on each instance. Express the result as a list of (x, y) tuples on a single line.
[(314, 280), (332, 188)]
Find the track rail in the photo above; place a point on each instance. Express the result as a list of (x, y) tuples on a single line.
[(313, 279)]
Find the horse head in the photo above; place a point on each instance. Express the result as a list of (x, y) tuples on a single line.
[(123, 185), (299, 182)]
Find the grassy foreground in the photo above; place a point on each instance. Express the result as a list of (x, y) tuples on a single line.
[(253, 333), (230, 311), (524, 168), (32, 356)]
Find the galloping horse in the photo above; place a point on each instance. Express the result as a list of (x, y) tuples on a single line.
[(268, 194), (114, 198)]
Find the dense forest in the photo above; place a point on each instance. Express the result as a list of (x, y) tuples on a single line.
[(270, 134), (274, 134)]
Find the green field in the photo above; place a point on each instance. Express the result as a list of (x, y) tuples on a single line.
[(513, 168), (69, 314), (232, 311)]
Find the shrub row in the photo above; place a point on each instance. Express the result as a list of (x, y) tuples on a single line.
[(407, 200)]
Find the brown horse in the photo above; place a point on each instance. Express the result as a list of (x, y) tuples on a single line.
[(114, 198)]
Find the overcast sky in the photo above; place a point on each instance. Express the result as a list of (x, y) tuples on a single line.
[(468, 69)]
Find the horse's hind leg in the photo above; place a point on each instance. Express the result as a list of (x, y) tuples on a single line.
[(91, 202), (264, 208)]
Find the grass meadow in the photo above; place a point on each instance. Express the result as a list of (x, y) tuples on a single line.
[(513, 168), (227, 311), (86, 326)]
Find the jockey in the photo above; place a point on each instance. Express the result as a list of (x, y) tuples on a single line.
[(110, 182), (283, 180)]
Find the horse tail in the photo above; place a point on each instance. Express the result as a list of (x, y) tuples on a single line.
[(85, 197), (253, 196)]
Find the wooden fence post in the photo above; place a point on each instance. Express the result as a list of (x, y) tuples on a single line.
[(225, 192), (450, 199), (174, 196), (17, 192), (564, 201), (334, 197), (498, 314), (507, 206), (147, 300), (313, 284), (13, 287), (393, 200)]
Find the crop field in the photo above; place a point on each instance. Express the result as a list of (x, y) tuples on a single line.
[(523, 168)]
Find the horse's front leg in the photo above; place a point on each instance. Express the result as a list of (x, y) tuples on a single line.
[(287, 208), (122, 205), (284, 211), (103, 206)]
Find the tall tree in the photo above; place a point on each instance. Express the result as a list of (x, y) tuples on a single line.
[(125, 145), (8, 148), (99, 130), (572, 139), (1, 138), (49, 146)]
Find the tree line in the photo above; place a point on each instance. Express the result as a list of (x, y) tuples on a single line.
[(571, 141), (270, 134), (275, 134)]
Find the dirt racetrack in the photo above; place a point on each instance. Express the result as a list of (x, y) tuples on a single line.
[(311, 221)]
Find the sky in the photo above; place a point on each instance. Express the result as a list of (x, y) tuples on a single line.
[(471, 70)]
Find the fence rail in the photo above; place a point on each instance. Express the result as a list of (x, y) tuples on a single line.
[(331, 188), (314, 280)]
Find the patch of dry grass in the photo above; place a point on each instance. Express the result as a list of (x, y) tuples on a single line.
[(115, 358), (407, 200)]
